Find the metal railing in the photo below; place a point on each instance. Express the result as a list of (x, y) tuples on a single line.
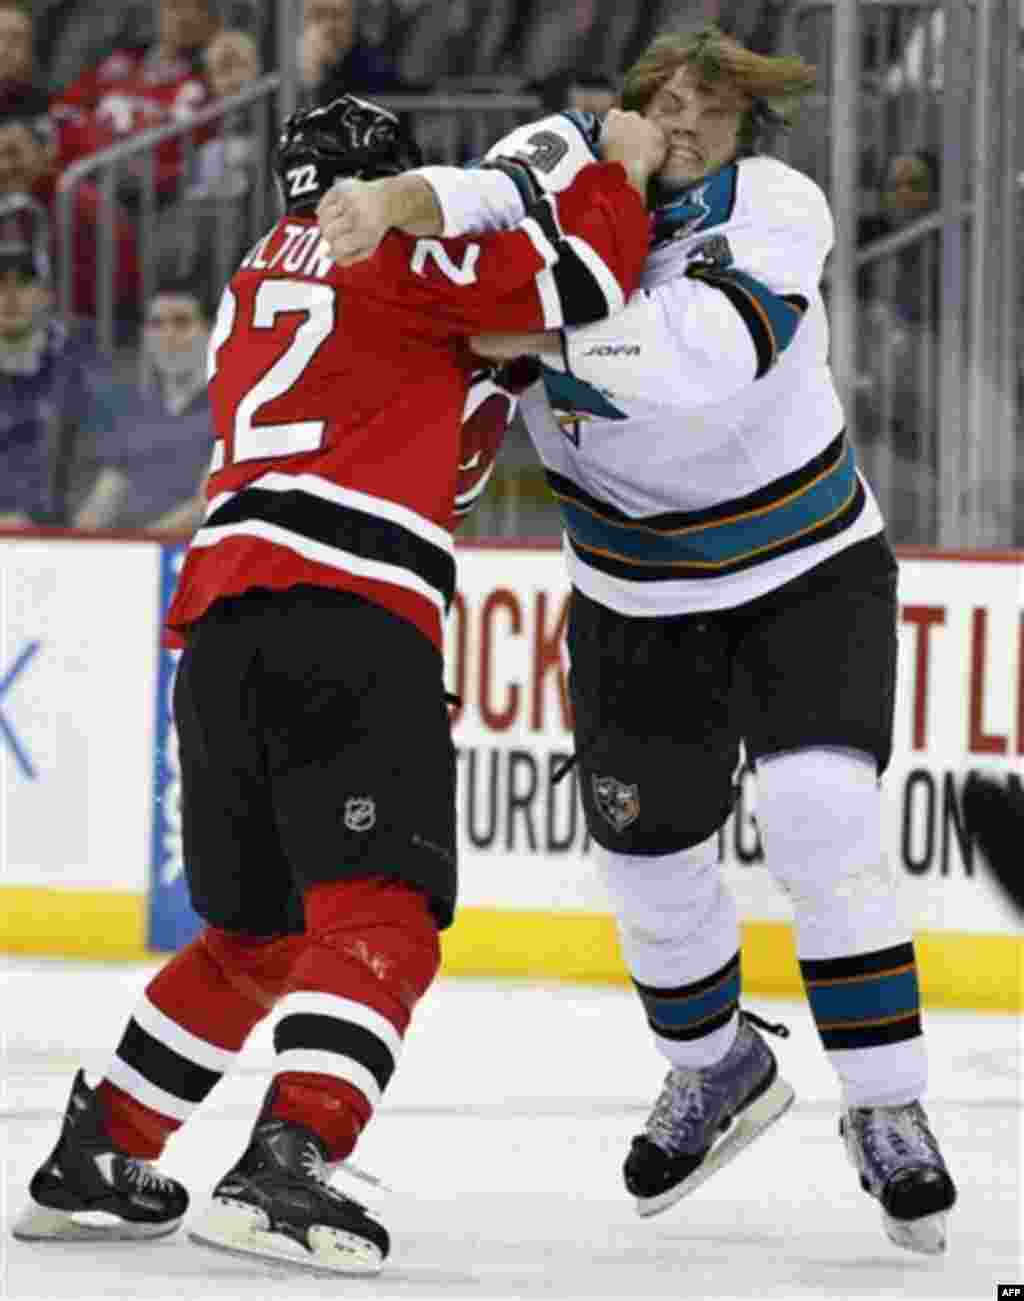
[(899, 76), (108, 164), (888, 84), (450, 129)]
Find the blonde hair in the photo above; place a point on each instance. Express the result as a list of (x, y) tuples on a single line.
[(775, 83)]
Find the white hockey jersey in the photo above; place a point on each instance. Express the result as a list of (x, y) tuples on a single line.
[(694, 441)]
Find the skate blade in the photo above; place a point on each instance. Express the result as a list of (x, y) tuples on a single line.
[(926, 1235), (43, 1224), (759, 1116), (240, 1230)]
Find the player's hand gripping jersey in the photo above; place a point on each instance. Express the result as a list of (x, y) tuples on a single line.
[(338, 393), (694, 440), (491, 403)]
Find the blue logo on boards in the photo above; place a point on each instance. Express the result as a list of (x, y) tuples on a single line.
[(172, 922), (8, 733)]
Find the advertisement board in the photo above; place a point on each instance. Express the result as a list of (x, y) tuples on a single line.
[(523, 846), (171, 923), (84, 680), (78, 649)]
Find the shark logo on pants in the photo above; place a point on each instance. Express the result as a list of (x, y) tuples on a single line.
[(616, 802)]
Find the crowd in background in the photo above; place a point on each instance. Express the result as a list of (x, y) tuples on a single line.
[(86, 441)]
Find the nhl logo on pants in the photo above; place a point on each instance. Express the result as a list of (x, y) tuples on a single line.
[(616, 802), (360, 813)]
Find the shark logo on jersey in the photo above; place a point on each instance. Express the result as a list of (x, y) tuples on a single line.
[(682, 217), (700, 208), (574, 403)]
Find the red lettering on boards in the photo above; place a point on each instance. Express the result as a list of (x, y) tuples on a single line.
[(499, 720), (923, 618), (547, 658), (978, 740)]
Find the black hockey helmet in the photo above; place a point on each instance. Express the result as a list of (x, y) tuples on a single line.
[(349, 137)]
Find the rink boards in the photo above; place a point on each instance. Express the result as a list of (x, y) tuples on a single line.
[(90, 855)]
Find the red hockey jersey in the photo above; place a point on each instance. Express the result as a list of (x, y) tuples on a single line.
[(338, 393), (127, 93)]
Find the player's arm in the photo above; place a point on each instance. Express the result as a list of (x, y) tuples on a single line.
[(433, 202), (694, 341), (545, 157), (354, 216), (710, 333), (574, 259)]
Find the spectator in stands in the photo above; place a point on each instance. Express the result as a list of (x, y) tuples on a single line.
[(911, 188), (139, 87), (900, 310), (333, 60), (232, 62), (920, 63), (903, 291), (153, 462), (69, 126), (577, 88), (28, 170), (50, 393), (17, 53), (224, 164), (560, 40), (19, 73), (166, 72), (591, 94)]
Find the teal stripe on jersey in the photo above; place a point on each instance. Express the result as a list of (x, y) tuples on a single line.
[(725, 540)]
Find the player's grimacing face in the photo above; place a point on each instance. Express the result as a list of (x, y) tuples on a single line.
[(702, 122)]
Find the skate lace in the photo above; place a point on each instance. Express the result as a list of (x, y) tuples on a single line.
[(357, 1172), (679, 1109), (691, 1095), (146, 1177), (771, 1027), (893, 1134), (317, 1168)]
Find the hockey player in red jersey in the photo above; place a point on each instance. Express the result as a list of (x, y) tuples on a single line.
[(337, 451), (318, 772)]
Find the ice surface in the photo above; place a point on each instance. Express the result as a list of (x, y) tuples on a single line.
[(502, 1136)]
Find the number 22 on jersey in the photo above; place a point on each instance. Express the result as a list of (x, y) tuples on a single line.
[(251, 439)]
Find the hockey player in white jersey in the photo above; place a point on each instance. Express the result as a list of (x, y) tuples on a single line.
[(732, 584)]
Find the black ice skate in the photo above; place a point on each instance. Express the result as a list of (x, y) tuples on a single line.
[(89, 1191), (703, 1119), (277, 1203), (899, 1163)]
